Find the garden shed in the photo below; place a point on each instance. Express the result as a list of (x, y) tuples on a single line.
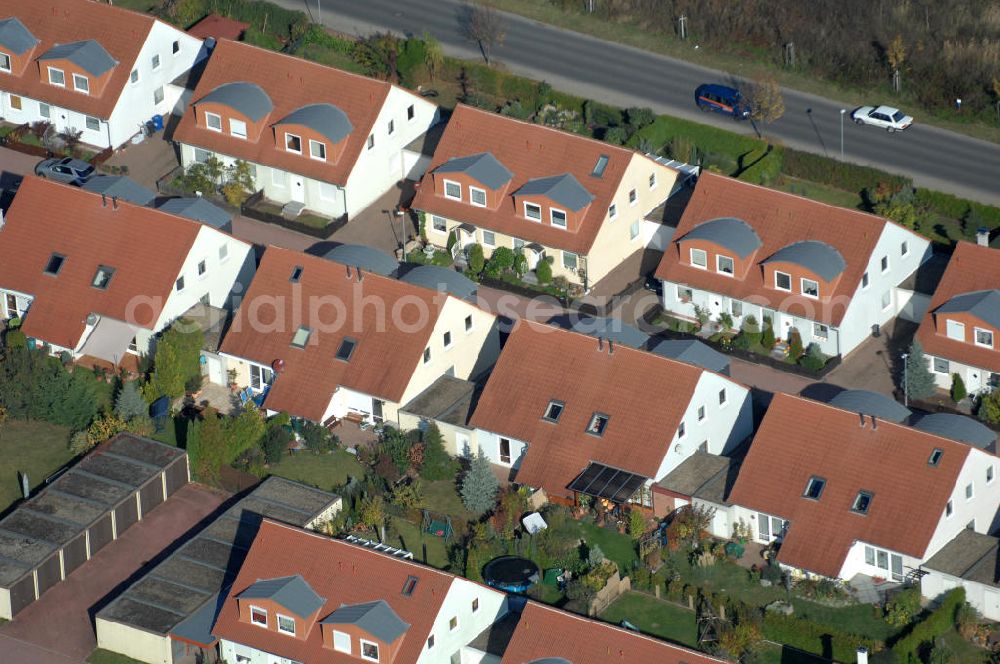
[(58, 530)]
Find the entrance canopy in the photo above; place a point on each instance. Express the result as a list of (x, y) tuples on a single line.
[(606, 482)]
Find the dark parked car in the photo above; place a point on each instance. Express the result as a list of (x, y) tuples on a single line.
[(721, 99), (66, 169)]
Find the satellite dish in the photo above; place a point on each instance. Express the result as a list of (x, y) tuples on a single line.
[(92, 319)]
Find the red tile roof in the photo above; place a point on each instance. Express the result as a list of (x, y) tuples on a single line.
[(971, 268), (121, 32), (291, 83), (530, 151), (218, 27), (547, 632), (341, 573), (386, 354), (145, 247), (645, 396), (780, 219), (799, 439)]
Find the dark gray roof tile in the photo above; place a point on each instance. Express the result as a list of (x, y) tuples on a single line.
[(247, 98), (198, 209), (563, 189), (88, 55), (326, 119), (733, 234), (291, 592), (376, 618), (483, 168), (867, 402), (984, 305), (365, 257), (120, 187), (15, 37), (819, 257), (442, 279), (693, 352), (958, 427)]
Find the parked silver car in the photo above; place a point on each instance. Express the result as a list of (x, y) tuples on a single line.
[(65, 169), (885, 117)]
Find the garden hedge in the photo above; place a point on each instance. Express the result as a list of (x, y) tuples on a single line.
[(813, 637), (938, 623), (839, 174)]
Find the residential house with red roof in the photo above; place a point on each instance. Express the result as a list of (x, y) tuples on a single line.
[(338, 336), (960, 332), (90, 67), (304, 597), (844, 493), (577, 202), (575, 415), (98, 277), (831, 273), (319, 138)]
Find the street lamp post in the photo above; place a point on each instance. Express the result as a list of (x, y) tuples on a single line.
[(842, 112), (319, 11), (906, 382)]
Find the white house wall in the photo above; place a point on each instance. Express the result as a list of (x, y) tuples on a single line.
[(975, 379), (854, 562), (489, 443), (458, 604), (62, 119), (455, 438), (984, 598), (982, 507)]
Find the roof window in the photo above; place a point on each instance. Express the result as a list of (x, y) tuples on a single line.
[(814, 489), (55, 264), (296, 274), (301, 337), (600, 166), (102, 278), (935, 457), (554, 410), (346, 349), (409, 585), (862, 502), (598, 423)]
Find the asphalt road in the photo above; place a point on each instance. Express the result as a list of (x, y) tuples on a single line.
[(625, 76)]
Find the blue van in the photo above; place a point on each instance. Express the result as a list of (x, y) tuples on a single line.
[(721, 99)]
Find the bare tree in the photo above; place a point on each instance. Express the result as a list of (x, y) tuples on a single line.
[(483, 24), (767, 104), (896, 55)]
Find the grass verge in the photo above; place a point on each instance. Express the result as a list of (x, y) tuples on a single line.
[(35, 448)]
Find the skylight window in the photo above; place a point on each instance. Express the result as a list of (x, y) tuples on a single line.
[(600, 166), (301, 337), (814, 489), (598, 423), (409, 585), (862, 502), (55, 264), (296, 274), (935, 457), (554, 410), (103, 277), (346, 349)]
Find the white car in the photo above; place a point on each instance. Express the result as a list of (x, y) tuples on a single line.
[(885, 117)]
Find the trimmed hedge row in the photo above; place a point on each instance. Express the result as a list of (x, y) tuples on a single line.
[(839, 174), (954, 207), (938, 623), (815, 638)]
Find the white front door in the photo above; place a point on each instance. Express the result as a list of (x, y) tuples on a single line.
[(974, 381), (296, 188), (991, 604), (215, 370)]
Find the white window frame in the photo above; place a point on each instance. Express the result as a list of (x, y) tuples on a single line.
[(371, 141), (681, 430), (975, 338), (254, 622), (61, 73), (704, 255), (472, 198), (444, 223), (223, 253), (552, 218), (537, 219), (701, 413), (802, 286), (865, 281), (340, 648), (361, 650), (274, 179), (312, 151), (447, 340), (391, 127), (91, 120), (947, 362), (612, 211), (328, 191), (277, 622), (970, 491), (633, 198), (950, 325), (489, 242), (718, 265), (411, 113), (885, 264), (202, 268), (85, 88), (990, 474), (576, 260), (904, 248), (777, 287), (288, 149), (208, 121), (887, 305), (155, 62), (457, 184), (723, 398), (45, 110), (652, 180), (8, 68), (158, 92), (680, 298), (634, 230), (234, 124), (453, 619), (820, 335), (470, 323), (175, 48), (949, 510), (19, 105)]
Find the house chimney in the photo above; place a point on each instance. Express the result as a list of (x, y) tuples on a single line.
[(862, 655), (862, 416), (357, 271), (104, 201), (348, 271), (983, 237), (611, 346), (1, 219), (600, 344), (114, 202), (874, 423)]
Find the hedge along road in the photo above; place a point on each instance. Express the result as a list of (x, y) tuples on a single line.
[(625, 76)]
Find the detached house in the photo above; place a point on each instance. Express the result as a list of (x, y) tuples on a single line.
[(97, 277), (331, 601), (574, 201), (89, 66), (325, 339), (831, 273), (844, 493), (961, 331), (317, 137), (576, 415)]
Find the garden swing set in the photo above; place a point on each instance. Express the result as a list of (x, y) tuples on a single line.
[(438, 525)]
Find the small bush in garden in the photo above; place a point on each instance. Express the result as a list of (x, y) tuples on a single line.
[(520, 264), (795, 344), (636, 524), (476, 259), (813, 360), (544, 272), (958, 391), (903, 607), (503, 258), (767, 335), (275, 443)]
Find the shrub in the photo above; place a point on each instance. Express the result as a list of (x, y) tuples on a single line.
[(476, 260), (919, 380), (520, 264), (639, 118), (543, 271), (616, 135), (438, 464), (750, 329), (958, 391), (814, 637), (176, 360), (795, 349), (813, 359), (840, 174), (318, 438), (938, 623), (104, 427), (275, 443), (954, 207), (905, 605), (636, 524), (129, 404), (36, 386), (15, 339), (767, 335), (503, 258), (480, 485)]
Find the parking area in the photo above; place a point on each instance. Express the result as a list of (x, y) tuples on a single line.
[(58, 627)]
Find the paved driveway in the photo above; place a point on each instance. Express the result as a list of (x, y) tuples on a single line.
[(57, 629)]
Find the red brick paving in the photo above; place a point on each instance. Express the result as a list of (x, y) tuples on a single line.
[(57, 628)]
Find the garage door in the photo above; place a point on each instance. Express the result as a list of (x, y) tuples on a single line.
[(126, 514), (75, 553), (100, 534), (151, 495), (49, 573), (22, 593), (177, 475)]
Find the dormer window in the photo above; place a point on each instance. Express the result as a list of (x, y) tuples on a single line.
[(317, 150), (935, 457), (213, 121), (955, 330), (293, 143), (369, 651), (4, 62), (533, 211), (258, 616), (286, 625), (814, 488), (57, 77), (725, 265), (598, 423), (862, 502), (984, 338), (342, 641), (699, 258), (477, 196), (452, 190), (558, 218), (55, 264), (782, 281), (81, 83), (810, 288), (102, 278), (553, 411), (237, 128)]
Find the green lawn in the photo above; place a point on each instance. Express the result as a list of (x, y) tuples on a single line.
[(654, 617), (617, 547), (442, 497), (772, 653), (424, 547), (820, 192), (860, 619), (37, 448), (101, 656), (325, 471)]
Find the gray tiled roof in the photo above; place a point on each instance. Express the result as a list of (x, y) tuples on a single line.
[(970, 556), (604, 327), (15, 37), (247, 98), (326, 119), (365, 257), (87, 55), (693, 352), (871, 403), (442, 279), (563, 189), (377, 618), (484, 168), (121, 187), (733, 234), (958, 427), (984, 305), (819, 257), (291, 592), (198, 209)]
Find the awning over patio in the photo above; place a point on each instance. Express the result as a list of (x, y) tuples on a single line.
[(109, 340), (606, 482)]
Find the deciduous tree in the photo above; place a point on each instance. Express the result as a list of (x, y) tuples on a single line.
[(483, 24), (767, 103)]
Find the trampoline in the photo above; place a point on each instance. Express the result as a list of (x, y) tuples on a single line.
[(511, 574)]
